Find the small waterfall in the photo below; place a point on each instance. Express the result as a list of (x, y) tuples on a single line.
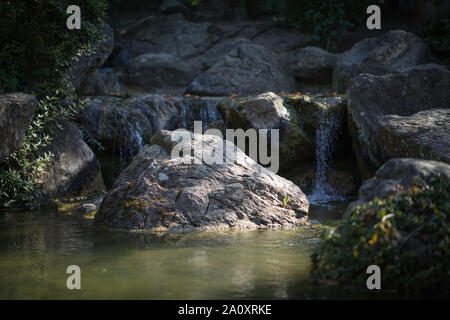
[(200, 109), (183, 114), (326, 136), (131, 145)]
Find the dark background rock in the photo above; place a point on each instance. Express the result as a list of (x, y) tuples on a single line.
[(402, 93), (247, 69), (153, 71), (424, 135), (74, 169), (16, 114), (87, 63), (392, 51)]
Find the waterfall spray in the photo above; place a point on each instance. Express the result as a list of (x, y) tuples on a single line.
[(326, 136)]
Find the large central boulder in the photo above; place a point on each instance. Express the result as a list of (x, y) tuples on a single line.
[(247, 69), (160, 192)]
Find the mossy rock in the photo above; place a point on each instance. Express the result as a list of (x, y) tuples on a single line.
[(231, 112), (295, 146)]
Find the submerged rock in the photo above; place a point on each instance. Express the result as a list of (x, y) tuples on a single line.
[(16, 114), (402, 93), (74, 169), (162, 193), (246, 69)]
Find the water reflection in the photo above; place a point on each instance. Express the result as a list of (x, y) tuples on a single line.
[(37, 247)]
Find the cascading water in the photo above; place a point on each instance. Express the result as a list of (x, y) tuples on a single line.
[(191, 110), (131, 145), (326, 136)]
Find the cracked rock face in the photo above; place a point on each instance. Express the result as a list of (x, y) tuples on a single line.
[(158, 192)]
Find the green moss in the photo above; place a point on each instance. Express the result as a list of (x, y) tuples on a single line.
[(134, 204), (231, 112), (179, 191)]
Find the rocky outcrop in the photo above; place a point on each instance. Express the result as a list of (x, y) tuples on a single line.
[(153, 71), (158, 192), (171, 34), (87, 63), (74, 169), (390, 52), (403, 93), (297, 117), (398, 175), (314, 65), (264, 111), (16, 114), (425, 135), (93, 85), (246, 69)]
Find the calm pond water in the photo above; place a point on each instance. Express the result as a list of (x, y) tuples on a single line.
[(36, 248)]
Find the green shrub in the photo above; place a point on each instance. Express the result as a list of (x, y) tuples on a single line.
[(323, 20), (36, 49), (35, 44), (407, 235)]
